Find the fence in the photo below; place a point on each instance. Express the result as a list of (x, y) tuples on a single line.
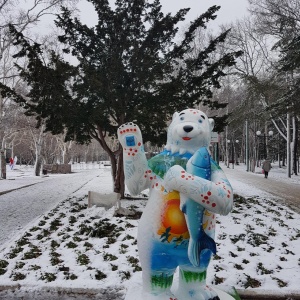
[(90, 165)]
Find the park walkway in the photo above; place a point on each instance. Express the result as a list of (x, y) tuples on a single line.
[(28, 199), (278, 185)]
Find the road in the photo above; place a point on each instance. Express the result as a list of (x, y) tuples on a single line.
[(20, 207), (285, 190)]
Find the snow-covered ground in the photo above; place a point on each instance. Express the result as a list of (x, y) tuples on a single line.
[(73, 246)]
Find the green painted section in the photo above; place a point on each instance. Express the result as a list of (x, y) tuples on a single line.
[(163, 281), (161, 163), (192, 276)]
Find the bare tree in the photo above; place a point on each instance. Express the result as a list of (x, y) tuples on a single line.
[(280, 19), (276, 17), (258, 84), (24, 16)]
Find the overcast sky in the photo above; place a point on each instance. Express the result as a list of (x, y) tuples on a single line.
[(230, 9)]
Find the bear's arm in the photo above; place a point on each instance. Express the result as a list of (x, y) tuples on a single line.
[(134, 158), (136, 172), (215, 195)]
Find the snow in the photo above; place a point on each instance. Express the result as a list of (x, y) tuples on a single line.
[(50, 239)]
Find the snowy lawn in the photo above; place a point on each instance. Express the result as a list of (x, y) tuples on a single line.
[(75, 246)]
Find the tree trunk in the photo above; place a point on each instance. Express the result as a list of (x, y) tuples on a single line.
[(2, 165), (38, 143), (116, 160), (64, 153), (288, 145), (295, 145), (117, 171), (37, 166), (38, 160), (119, 182)]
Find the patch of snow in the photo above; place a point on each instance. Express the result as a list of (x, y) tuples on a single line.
[(66, 245)]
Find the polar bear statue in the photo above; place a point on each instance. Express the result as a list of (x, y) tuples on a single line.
[(187, 189)]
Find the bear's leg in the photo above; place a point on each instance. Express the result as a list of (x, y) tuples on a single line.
[(192, 285), (157, 285), (161, 283), (158, 275), (192, 280)]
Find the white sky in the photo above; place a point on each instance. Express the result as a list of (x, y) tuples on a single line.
[(229, 12), (230, 9)]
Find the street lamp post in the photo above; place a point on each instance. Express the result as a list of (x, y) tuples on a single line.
[(237, 143), (233, 152), (259, 134), (227, 154)]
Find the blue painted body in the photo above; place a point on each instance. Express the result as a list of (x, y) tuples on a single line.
[(199, 166)]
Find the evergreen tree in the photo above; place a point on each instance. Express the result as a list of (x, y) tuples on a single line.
[(129, 68)]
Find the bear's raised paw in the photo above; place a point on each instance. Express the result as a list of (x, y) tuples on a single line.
[(130, 137)]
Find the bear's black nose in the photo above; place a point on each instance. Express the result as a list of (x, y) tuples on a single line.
[(188, 128)]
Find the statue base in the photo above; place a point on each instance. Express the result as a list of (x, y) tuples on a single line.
[(135, 292)]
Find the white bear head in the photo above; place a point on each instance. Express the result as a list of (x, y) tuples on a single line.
[(189, 130)]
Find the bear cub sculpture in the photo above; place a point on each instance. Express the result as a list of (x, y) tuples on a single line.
[(187, 189)]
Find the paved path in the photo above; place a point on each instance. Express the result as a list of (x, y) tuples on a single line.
[(20, 207), (288, 192)]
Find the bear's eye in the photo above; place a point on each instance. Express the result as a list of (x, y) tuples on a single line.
[(200, 121), (181, 118)]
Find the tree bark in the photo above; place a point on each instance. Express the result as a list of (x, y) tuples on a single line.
[(38, 165), (116, 160), (119, 177), (295, 145), (38, 143)]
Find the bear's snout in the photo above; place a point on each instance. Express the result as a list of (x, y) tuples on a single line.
[(188, 128)]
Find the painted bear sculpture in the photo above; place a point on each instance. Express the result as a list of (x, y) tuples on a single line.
[(187, 189)]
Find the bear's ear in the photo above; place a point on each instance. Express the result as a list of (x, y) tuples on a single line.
[(176, 114), (212, 123)]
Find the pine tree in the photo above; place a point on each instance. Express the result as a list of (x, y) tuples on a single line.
[(129, 68)]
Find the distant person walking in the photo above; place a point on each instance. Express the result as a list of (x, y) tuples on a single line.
[(11, 163), (266, 166), (15, 160)]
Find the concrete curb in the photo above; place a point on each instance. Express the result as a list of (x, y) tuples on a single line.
[(18, 188), (18, 291), (253, 294), (14, 292)]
